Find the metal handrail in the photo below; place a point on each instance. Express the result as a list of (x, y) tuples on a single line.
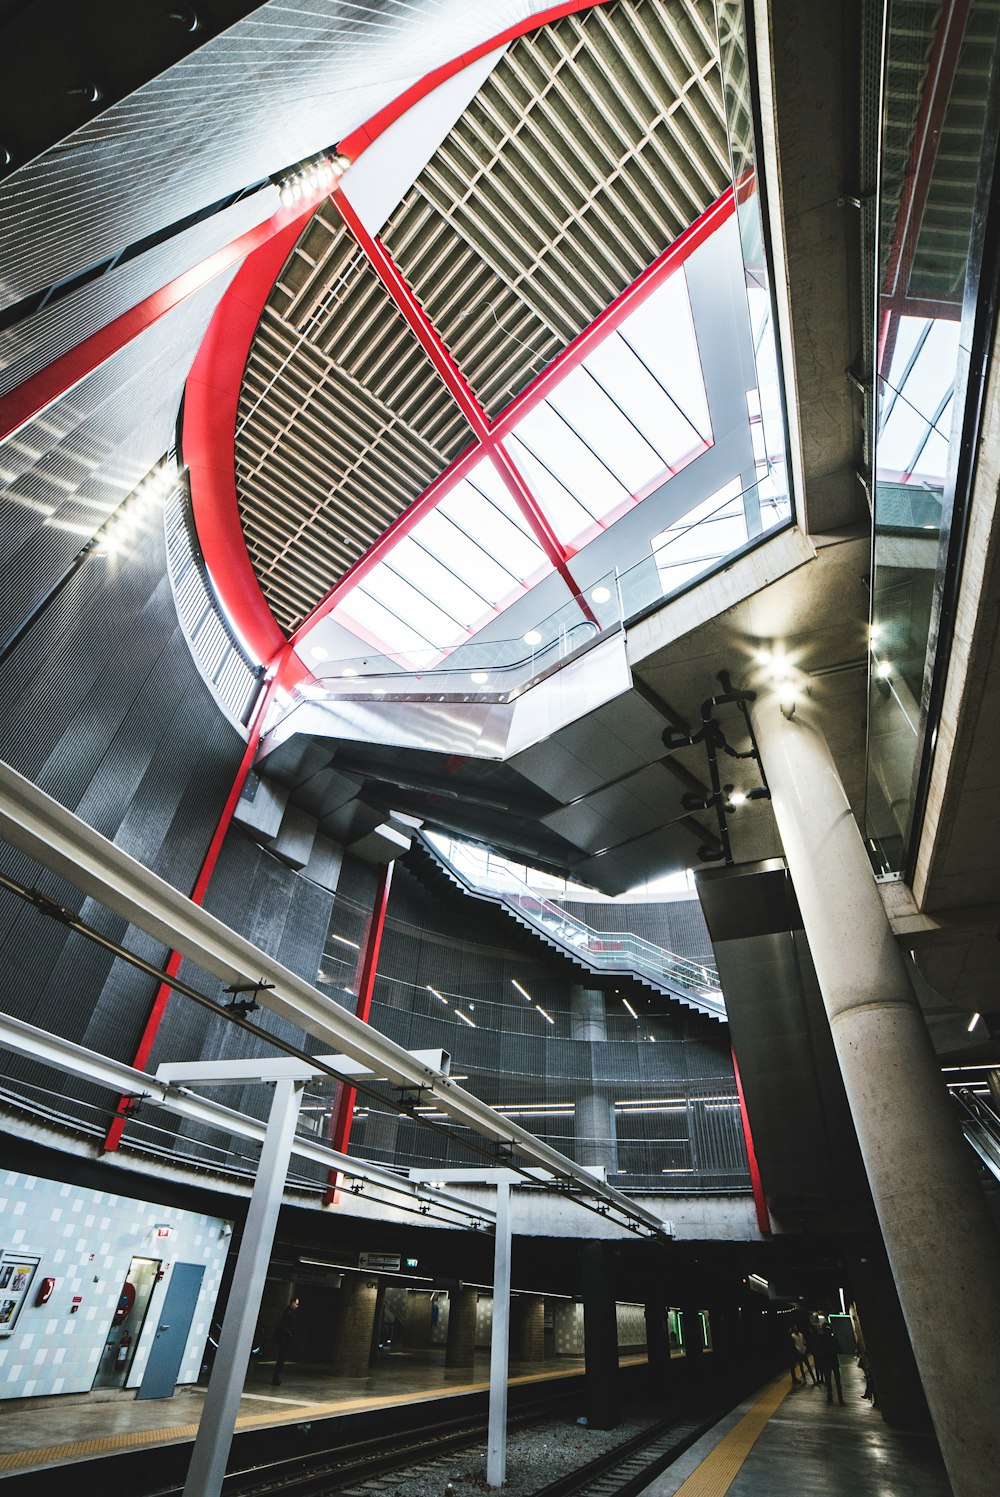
[(612, 950)]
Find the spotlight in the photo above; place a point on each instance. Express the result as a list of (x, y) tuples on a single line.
[(737, 798), (317, 652), (787, 698), (533, 638), (341, 162), (348, 671), (480, 677), (883, 670), (601, 595)]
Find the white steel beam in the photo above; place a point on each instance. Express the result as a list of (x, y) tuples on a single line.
[(75, 1060), (282, 1068), (38, 826)]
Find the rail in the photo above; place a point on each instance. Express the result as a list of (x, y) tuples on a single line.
[(605, 951), (981, 1126)]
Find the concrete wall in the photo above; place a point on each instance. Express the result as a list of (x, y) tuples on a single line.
[(86, 1240)]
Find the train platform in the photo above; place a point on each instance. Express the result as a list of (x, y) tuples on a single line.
[(789, 1442), (48, 1432)]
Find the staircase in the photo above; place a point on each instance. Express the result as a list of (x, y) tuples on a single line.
[(981, 1126), (598, 953)]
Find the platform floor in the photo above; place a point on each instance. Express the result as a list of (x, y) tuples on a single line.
[(54, 1431), (785, 1442)]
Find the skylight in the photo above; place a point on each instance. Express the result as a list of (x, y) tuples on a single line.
[(916, 410)]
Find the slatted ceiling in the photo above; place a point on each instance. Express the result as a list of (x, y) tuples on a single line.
[(342, 421), (590, 147)]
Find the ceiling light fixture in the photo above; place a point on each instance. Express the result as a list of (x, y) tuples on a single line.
[(471, 1022), (523, 991), (533, 638), (544, 1014), (601, 595), (630, 1008), (973, 1022), (480, 677), (317, 652), (439, 996)]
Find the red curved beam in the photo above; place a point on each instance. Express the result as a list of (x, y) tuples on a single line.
[(212, 392)]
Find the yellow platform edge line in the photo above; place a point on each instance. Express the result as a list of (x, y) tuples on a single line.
[(722, 1465), (172, 1434)]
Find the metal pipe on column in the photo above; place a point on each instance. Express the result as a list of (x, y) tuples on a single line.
[(496, 1450), (938, 1233), (222, 1401)]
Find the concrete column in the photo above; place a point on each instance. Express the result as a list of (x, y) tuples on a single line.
[(353, 1341), (417, 1320), (529, 1328), (593, 1114), (496, 1442), (460, 1350), (940, 1239), (600, 1338), (587, 1015)]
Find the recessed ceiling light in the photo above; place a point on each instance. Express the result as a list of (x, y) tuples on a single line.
[(480, 677), (317, 652), (348, 671), (532, 638), (601, 595)]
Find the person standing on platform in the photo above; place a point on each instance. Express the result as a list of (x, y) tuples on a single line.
[(801, 1353), (284, 1337), (828, 1361), (813, 1333)]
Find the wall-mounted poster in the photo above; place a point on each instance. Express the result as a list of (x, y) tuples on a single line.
[(16, 1273)]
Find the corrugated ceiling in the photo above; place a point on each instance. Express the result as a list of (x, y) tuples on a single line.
[(591, 146)]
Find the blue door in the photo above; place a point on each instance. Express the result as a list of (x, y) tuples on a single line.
[(172, 1328)]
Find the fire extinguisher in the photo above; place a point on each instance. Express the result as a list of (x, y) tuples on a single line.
[(123, 1347)]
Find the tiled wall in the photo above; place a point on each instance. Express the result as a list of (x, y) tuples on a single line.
[(86, 1240)]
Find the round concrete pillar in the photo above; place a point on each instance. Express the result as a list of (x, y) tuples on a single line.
[(460, 1350), (587, 1014), (353, 1341), (941, 1242)]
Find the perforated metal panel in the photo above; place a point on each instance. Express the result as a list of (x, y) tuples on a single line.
[(282, 83)]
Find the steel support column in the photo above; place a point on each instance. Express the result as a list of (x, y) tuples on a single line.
[(222, 1401), (496, 1450)]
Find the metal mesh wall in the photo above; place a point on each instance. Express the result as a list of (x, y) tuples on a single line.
[(656, 1099)]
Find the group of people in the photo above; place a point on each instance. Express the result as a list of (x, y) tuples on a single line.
[(819, 1344)]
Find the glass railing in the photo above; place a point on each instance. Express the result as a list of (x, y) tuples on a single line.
[(606, 951), (686, 552)]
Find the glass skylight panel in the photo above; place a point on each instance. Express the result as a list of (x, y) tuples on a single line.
[(490, 527), (615, 439), (382, 626), (416, 563), (662, 333), (446, 539), (487, 480), (557, 443), (630, 384), (709, 530), (566, 515), (412, 607)]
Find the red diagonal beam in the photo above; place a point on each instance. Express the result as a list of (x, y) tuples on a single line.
[(457, 385), (941, 68), (340, 1131)]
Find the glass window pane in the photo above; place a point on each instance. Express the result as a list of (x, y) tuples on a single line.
[(410, 605), (498, 535), (661, 331), (444, 538), (622, 374), (427, 574), (612, 435), (571, 461), (381, 626), (567, 517)]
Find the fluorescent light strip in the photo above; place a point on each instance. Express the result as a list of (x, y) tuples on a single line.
[(630, 1008), (344, 941), (439, 996), (523, 991), (973, 1022), (471, 1022), (544, 1014)]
